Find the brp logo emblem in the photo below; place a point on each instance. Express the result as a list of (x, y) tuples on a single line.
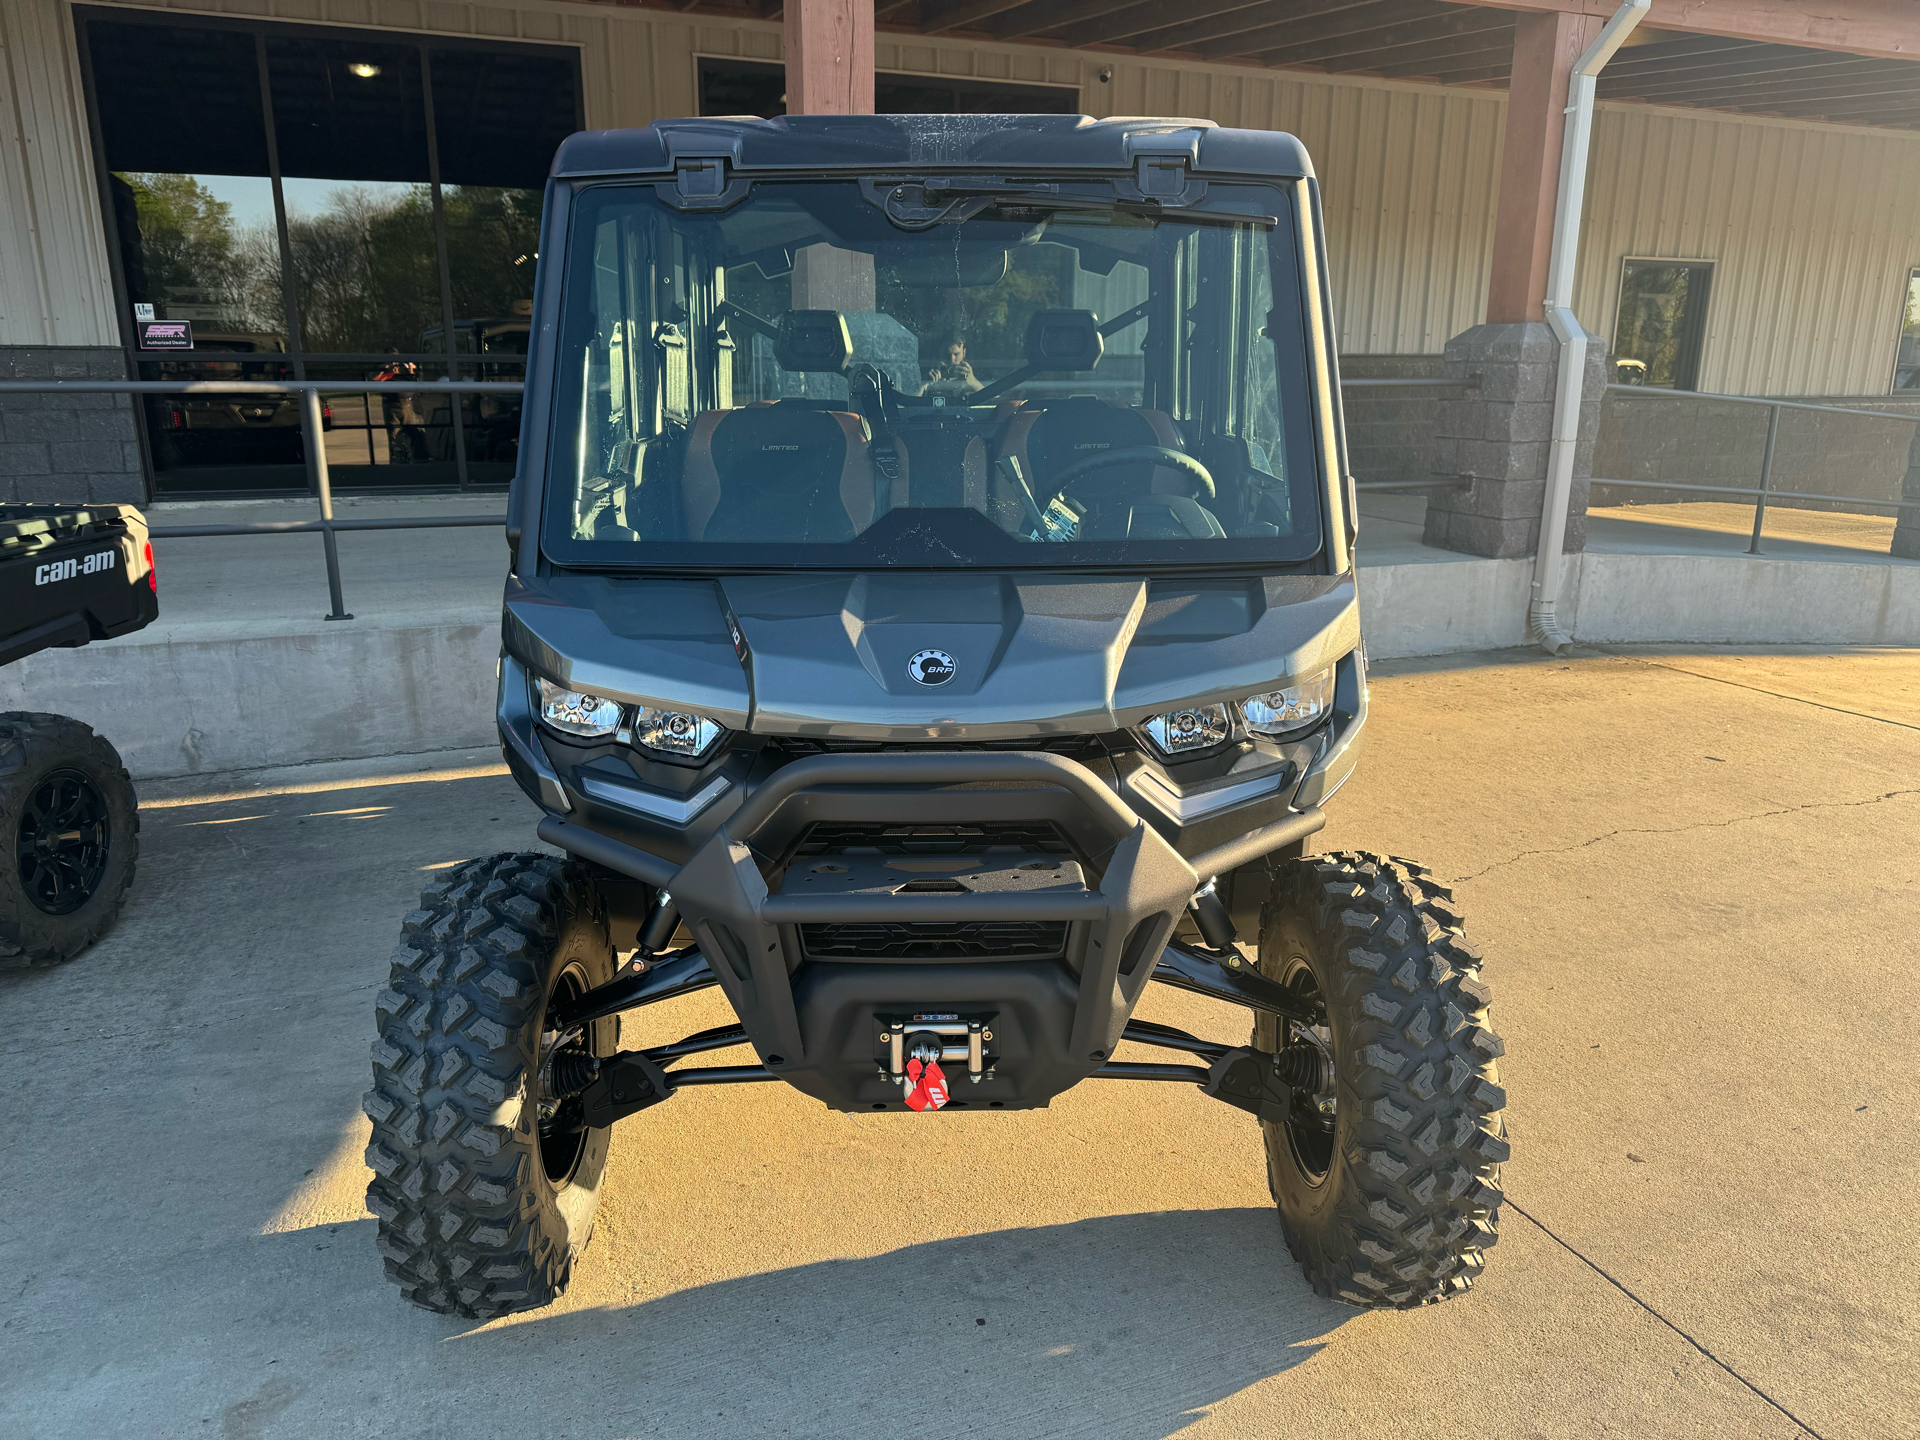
[(931, 667)]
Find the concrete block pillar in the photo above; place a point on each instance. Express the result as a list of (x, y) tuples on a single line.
[(1495, 435), (1904, 519)]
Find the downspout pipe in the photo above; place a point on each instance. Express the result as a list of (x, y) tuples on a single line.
[(1545, 593)]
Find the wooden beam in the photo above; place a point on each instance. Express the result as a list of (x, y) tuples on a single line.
[(1331, 20), (1760, 72), (1288, 39), (1150, 16), (1734, 94), (1498, 59), (1885, 29), (1881, 115), (1032, 19), (962, 15)]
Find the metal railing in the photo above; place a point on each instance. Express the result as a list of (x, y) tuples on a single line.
[(313, 443), (1763, 492), (1438, 382)]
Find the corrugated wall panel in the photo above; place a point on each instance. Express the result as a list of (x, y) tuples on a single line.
[(1812, 227), (55, 288)]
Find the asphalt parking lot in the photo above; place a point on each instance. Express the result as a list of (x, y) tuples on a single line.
[(1693, 874)]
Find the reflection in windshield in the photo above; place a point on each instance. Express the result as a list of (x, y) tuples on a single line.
[(855, 379)]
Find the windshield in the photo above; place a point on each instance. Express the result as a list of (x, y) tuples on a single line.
[(932, 372)]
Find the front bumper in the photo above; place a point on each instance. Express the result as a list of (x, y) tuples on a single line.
[(1087, 929)]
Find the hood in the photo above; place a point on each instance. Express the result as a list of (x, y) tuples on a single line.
[(838, 655)]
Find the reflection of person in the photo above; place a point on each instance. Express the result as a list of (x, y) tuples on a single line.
[(956, 376), (406, 427)]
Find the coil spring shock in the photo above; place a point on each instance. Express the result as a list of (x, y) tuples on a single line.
[(1303, 1067), (569, 1072)]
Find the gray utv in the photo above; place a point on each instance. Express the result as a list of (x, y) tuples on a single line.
[(931, 620)]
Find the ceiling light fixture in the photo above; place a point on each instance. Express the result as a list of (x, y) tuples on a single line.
[(363, 69)]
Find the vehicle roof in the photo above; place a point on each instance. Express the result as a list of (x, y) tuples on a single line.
[(866, 142)]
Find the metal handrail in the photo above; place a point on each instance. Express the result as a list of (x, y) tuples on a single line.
[(311, 431), (1764, 491)]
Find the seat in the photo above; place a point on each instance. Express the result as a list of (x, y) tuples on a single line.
[(777, 471)]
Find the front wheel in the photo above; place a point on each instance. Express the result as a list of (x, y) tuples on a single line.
[(69, 837), (485, 1183), (1387, 1176)]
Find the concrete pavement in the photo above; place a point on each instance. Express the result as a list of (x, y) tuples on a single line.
[(1693, 874)]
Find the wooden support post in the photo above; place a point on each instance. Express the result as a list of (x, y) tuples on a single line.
[(830, 57), (830, 71), (1546, 45)]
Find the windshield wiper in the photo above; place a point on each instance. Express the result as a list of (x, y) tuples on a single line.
[(923, 202)]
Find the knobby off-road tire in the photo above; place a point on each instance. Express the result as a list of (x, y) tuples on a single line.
[(69, 838), (478, 1215), (1395, 1203)]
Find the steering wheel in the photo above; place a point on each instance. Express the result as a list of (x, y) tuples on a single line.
[(1136, 455)]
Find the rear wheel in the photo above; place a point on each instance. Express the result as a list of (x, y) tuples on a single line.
[(1387, 1177), (69, 837), (485, 1184)]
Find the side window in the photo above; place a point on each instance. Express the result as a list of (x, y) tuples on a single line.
[(1661, 323), (1907, 367)]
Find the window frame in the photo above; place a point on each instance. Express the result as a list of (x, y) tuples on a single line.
[(297, 358), (1900, 328), (1698, 321)]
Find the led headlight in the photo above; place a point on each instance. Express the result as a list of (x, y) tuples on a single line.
[(573, 713), (677, 733), (1195, 728), (1292, 709)]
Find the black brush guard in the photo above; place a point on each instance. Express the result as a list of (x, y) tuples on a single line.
[(816, 1023)]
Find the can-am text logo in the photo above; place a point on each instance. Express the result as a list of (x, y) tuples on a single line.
[(931, 667)]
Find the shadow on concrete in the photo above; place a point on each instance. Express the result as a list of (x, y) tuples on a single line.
[(1123, 1326)]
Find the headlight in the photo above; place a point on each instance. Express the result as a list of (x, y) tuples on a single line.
[(676, 732), (576, 714), (1195, 728), (1292, 709)]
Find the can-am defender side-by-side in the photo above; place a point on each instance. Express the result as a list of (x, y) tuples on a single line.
[(932, 619), (69, 820)]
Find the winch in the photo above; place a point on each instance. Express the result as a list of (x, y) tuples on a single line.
[(943, 1037)]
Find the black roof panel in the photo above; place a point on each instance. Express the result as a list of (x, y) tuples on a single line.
[(817, 142)]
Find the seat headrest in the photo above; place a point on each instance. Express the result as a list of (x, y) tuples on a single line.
[(813, 340), (1063, 340)]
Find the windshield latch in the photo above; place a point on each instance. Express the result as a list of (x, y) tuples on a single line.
[(1161, 177), (701, 183)]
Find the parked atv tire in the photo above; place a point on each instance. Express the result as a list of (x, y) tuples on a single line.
[(1388, 1182), (69, 838), (484, 1194)]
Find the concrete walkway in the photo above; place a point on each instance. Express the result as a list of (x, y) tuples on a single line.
[(1693, 874)]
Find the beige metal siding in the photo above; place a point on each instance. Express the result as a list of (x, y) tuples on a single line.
[(1811, 228), (55, 288)]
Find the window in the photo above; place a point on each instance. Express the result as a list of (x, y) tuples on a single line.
[(758, 87), (1907, 365), (324, 204), (1661, 322), (812, 378)]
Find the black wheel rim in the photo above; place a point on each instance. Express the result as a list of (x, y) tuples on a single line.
[(1312, 1123), (563, 1140), (63, 842)]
